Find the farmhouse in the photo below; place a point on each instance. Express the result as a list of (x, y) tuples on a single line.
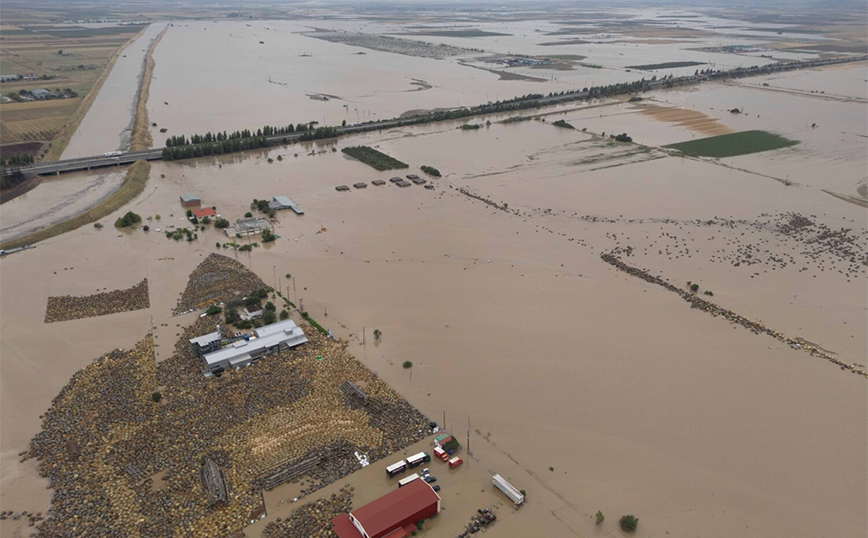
[(204, 212), (394, 514), (269, 339), (41, 93), (250, 226)]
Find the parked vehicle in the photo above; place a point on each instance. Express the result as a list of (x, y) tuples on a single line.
[(455, 462), (404, 481), (396, 469), (435, 487), (430, 479), (440, 453)]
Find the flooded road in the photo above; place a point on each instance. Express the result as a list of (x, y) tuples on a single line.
[(108, 122)]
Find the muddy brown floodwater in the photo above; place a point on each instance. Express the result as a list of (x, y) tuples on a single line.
[(592, 389)]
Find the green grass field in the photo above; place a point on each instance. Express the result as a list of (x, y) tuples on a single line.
[(730, 145), (665, 65), (374, 158)]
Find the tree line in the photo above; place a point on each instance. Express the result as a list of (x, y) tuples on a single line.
[(309, 133)]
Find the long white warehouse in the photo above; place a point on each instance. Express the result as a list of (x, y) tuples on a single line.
[(269, 339), (508, 489)]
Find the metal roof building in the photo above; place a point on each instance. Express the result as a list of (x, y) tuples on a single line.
[(205, 343), (283, 202), (190, 200), (269, 339), (394, 514), (249, 226)]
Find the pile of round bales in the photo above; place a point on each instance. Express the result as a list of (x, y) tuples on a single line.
[(312, 520), (754, 326), (217, 279), (105, 438), (483, 518), (68, 307)]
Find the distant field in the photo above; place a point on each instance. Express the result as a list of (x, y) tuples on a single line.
[(37, 48), (664, 65), (575, 57), (730, 145), (374, 158), (460, 33), (564, 42)]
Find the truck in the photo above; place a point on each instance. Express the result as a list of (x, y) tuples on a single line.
[(440, 453), (508, 489), (404, 481), (418, 459), (455, 462), (114, 153), (396, 469)]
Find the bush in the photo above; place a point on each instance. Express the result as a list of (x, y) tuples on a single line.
[(628, 523), (231, 316), (562, 123), (694, 288), (128, 220), (430, 170), (284, 315), (270, 306), (377, 334), (407, 365), (268, 236), (213, 310), (248, 215), (245, 324), (221, 223), (268, 317), (97, 225), (600, 517), (156, 397), (146, 228)]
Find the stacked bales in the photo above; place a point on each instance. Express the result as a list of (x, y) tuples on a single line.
[(68, 307), (217, 279)]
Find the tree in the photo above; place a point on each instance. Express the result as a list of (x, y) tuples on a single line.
[(407, 365), (156, 397), (600, 517), (268, 236), (377, 334), (248, 215), (268, 317), (220, 222), (694, 288), (284, 314), (270, 306), (128, 220), (213, 310), (628, 523)]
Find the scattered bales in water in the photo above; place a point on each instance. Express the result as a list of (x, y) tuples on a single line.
[(396, 179), (342, 188), (378, 182), (217, 279), (419, 181), (312, 520), (403, 183), (360, 185), (730, 145), (104, 438), (68, 307), (754, 326)]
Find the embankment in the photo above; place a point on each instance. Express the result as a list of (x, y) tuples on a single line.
[(141, 137), (133, 185), (59, 144)]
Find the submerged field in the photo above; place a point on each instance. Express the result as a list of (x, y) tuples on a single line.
[(730, 145)]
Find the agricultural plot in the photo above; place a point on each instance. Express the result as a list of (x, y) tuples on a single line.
[(60, 57), (664, 65), (374, 158), (730, 145)]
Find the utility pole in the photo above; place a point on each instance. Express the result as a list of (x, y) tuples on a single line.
[(444, 420), (365, 344), (294, 290), (274, 272)]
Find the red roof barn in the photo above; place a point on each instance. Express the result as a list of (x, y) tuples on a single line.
[(204, 212), (394, 514)]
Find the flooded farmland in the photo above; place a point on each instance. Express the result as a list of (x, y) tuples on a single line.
[(589, 387)]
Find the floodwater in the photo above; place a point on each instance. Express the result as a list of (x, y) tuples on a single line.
[(591, 389), (266, 71), (638, 403), (57, 198), (109, 121)]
